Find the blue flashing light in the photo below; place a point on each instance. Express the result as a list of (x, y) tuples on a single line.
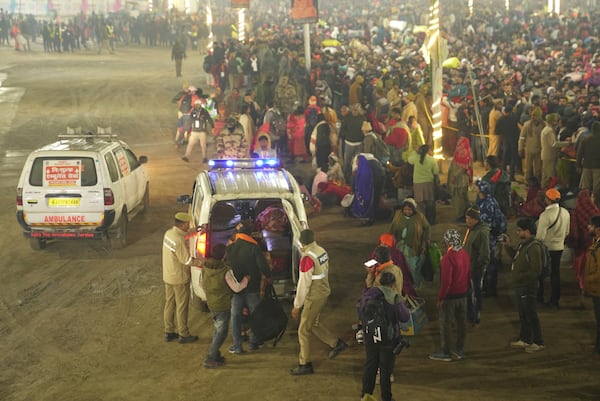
[(243, 163)]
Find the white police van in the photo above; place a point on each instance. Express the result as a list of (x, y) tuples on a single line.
[(234, 190), (82, 186)]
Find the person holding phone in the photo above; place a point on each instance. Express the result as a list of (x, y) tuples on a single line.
[(380, 264)]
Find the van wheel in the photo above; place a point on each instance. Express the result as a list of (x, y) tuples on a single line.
[(146, 201), (37, 244), (118, 237)]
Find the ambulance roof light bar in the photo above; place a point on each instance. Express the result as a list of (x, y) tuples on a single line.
[(215, 164)]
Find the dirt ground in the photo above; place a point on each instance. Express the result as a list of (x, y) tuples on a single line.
[(81, 322)]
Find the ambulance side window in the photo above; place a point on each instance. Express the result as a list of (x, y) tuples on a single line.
[(112, 167)]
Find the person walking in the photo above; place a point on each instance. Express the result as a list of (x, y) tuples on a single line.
[(591, 276), (246, 258), (201, 124), (477, 245), (311, 296), (588, 161), (455, 275), (382, 346), (460, 176), (412, 232), (219, 283), (176, 261), (177, 55), (553, 228), (231, 141), (526, 269), (530, 144)]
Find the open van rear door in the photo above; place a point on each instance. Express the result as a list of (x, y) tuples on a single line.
[(297, 227)]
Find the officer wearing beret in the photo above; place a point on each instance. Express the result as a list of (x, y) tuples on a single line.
[(176, 261)]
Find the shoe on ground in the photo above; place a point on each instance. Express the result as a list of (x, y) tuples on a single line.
[(458, 355), (188, 339), (552, 305), (440, 356), (254, 347), (171, 337), (530, 349), (302, 370), (339, 347), (519, 344), (236, 350), (213, 364), (185, 159)]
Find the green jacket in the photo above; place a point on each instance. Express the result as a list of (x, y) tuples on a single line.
[(218, 293), (477, 244), (527, 264)]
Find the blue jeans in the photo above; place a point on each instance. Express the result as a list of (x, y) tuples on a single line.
[(238, 302), (531, 331), (221, 325)]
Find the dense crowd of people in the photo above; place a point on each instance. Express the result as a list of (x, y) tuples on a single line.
[(522, 99)]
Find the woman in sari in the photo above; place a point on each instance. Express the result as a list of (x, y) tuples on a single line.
[(579, 237), (367, 185), (412, 232), (460, 176)]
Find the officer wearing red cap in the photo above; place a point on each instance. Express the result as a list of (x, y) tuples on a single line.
[(553, 228)]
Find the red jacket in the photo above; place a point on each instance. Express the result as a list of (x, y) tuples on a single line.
[(455, 274)]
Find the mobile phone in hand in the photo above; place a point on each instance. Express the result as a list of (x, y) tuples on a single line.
[(371, 263)]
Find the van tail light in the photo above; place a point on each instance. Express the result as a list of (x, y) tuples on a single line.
[(109, 198), (201, 244), (19, 196)]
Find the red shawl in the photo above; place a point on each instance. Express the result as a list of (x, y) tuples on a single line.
[(463, 157), (584, 210)]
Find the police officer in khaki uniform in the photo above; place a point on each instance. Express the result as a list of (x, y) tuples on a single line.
[(311, 294), (176, 261)]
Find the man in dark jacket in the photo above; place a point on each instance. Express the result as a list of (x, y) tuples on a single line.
[(588, 161), (246, 258), (477, 245), (380, 354), (526, 269)]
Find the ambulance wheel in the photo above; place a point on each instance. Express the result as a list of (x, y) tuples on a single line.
[(37, 244), (118, 237)]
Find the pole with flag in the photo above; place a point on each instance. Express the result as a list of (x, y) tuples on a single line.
[(435, 51)]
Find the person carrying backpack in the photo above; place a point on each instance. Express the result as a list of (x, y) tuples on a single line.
[(525, 272), (381, 311), (591, 276), (553, 228)]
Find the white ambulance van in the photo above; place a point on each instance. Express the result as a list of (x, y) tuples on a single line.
[(234, 190), (82, 186)]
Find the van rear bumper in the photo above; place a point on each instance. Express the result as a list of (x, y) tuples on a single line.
[(68, 232)]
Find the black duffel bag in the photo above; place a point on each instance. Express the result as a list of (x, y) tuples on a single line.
[(269, 320)]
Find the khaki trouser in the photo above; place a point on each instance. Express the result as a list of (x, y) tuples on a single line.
[(196, 137), (495, 142), (177, 299), (548, 171), (309, 323), (533, 165), (590, 179)]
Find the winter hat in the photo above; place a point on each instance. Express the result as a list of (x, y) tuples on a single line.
[(387, 278), (473, 212), (387, 239), (552, 118), (452, 238), (410, 202), (307, 237)]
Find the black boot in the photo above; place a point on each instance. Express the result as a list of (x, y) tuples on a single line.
[(302, 370)]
